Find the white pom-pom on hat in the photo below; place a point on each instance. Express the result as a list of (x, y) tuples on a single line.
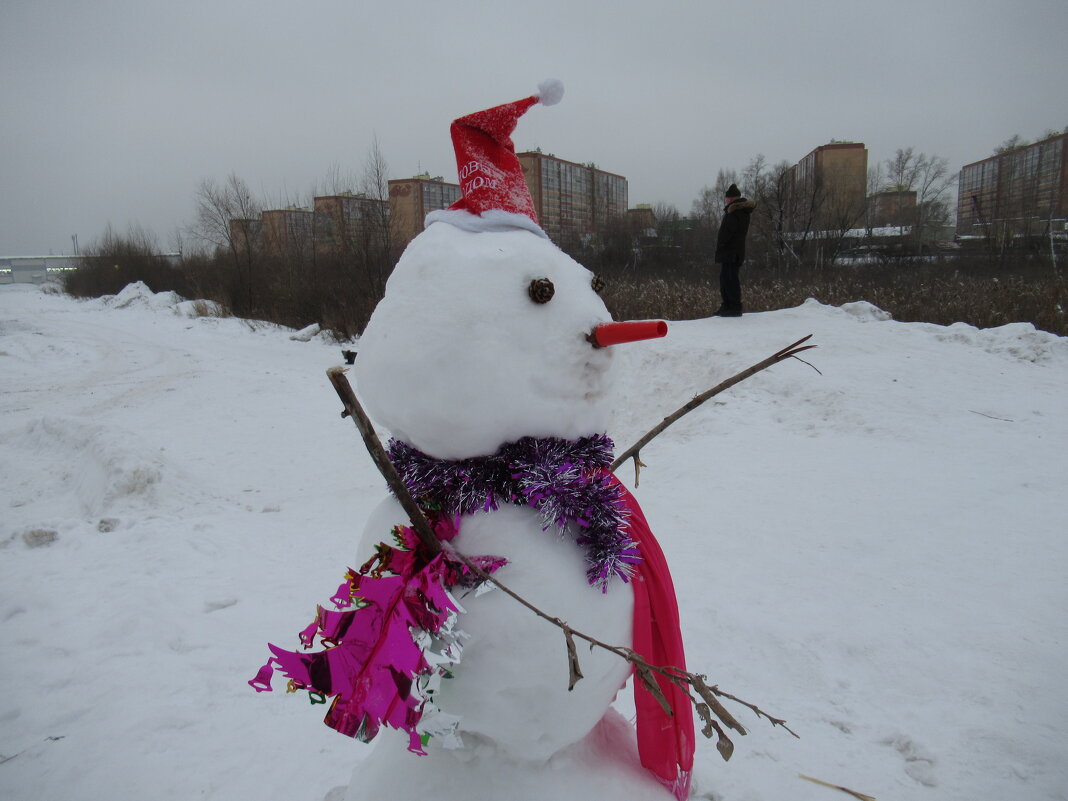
[(550, 91)]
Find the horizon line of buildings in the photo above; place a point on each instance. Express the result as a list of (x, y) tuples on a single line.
[(570, 200), (1020, 195)]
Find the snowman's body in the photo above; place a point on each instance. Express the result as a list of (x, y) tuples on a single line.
[(456, 361)]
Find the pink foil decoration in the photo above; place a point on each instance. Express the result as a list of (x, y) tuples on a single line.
[(262, 682), (372, 665), (307, 637), (343, 597)]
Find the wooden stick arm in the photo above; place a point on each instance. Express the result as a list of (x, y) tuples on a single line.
[(775, 358), (354, 410)]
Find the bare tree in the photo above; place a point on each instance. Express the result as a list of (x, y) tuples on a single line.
[(876, 182), (663, 243), (805, 202), (707, 208), (339, 181), (377, 254), (228, 219), (218, 205), (666, 212), (842, 212), (771, 186), (1014, 142), (930, 178)]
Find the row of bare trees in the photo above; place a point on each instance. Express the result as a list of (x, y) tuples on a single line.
[(293, 266), (267, 266), (287, 265), (798, 222)]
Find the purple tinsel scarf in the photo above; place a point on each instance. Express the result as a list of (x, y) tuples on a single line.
[(567, 481)]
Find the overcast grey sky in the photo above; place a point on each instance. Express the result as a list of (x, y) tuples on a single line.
[(112, 111)]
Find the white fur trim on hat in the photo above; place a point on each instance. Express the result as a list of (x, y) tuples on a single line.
[(489, 220)]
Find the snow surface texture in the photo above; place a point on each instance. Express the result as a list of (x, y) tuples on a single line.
[(876, 553)]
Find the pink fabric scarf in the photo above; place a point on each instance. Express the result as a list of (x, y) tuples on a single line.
[(665, 742)]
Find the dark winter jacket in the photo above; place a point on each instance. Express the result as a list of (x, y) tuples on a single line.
[(730, 241)]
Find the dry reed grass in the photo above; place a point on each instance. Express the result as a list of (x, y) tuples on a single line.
[(935, 292)]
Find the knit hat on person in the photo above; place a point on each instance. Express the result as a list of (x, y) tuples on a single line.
[(733, 191)]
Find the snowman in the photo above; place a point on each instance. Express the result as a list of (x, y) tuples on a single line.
[(489, 362)]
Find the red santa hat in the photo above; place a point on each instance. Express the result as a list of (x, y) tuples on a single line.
[(495, 193)]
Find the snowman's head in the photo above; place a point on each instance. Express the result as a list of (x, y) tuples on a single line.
[(463, 354)]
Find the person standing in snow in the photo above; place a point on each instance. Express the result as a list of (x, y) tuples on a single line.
[(730, 251)]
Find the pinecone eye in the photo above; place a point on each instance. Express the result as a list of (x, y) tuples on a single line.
[(541, 290), (598, 284)]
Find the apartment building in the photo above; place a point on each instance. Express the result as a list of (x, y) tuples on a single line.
[(411, 199), (829, 187), (288, 232), (343, 221), (572, 200), (246, 235), (1017, 197)]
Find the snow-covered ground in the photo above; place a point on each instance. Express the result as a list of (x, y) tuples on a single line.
[(876, 551)]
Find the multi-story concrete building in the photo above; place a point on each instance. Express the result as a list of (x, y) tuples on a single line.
[(411, 199), (829, 187), (1017, 197), (344, 221), (288, 233), (572, 200), (641, 220), (246, 235)]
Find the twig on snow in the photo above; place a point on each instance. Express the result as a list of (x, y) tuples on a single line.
[(853, 793), (992, 417)]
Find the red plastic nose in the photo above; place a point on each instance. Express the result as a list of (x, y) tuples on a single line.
[(616, 333)]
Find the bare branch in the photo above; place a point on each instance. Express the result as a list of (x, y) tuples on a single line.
[(706, 694), (638, 465), (574, 670), (645, 673), (354, 410), (775, 358), (756, 710), (724, 744)]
